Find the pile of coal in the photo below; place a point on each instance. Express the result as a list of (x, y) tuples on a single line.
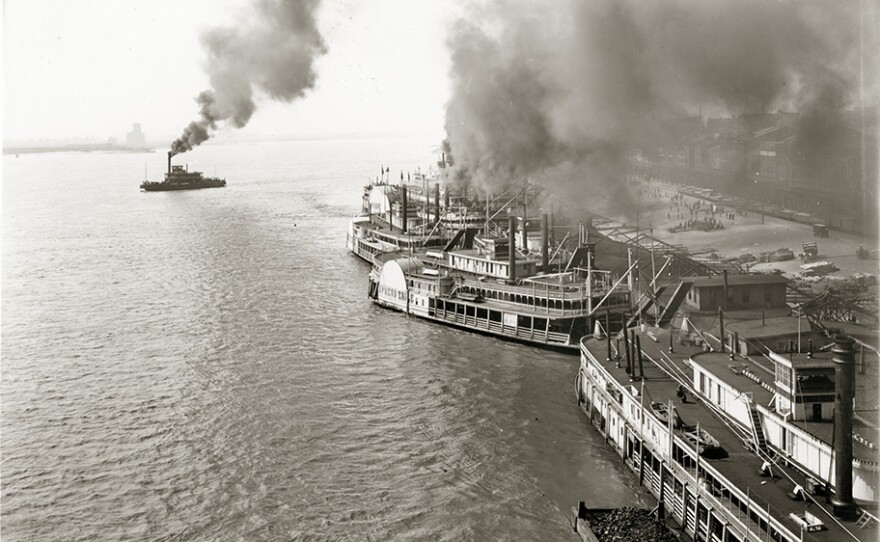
[(631, 525)]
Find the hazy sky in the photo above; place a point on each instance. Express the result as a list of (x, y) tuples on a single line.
[(91, 68)]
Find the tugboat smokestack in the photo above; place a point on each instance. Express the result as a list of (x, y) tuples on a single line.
[(170, 154)]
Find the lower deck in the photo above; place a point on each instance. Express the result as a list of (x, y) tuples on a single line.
[(511, 321)]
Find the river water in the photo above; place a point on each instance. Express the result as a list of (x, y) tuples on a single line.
[(206, 366)]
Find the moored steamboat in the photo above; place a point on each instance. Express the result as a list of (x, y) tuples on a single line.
[(484, 286)]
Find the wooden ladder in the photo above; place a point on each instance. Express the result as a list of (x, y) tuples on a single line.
[(865, 520)]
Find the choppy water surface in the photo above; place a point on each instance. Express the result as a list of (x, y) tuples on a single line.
[(206, 366)]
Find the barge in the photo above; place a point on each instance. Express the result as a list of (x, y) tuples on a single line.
[(713, 437)]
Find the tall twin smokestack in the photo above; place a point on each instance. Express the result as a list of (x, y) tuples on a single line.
[(272, 52)]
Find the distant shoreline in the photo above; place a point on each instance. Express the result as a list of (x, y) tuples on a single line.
[(76, 148)]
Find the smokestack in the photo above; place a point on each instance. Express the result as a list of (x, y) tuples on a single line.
[(427, 205), (724, 301), (403, 209), (721, 321), (608, 334), (437, 203), (844, 380), (446, 197), (628, 351), (511, 240), (525, 189), (545, 244), (639, 354), (170, 154)]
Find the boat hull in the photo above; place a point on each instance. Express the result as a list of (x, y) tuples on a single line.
[(423, 307), (167, 187), (517, 336)]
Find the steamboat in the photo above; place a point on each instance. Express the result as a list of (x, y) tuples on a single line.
[(180, 178), (391, 221), (492, 285)]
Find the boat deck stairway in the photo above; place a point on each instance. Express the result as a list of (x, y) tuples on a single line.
[(645, 303), (759, 441), (674, 302), (464, 238)]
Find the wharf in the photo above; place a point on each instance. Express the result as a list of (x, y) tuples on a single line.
[(735, 501)]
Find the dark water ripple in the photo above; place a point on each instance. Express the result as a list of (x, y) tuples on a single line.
[(206, 366)]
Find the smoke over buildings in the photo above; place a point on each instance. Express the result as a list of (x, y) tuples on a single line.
[(558, 94), (272, 52)]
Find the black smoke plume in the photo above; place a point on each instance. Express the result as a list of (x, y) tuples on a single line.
[(272, 51), (559, 93)]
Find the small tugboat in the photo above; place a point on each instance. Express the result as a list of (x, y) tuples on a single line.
[(180, 178)]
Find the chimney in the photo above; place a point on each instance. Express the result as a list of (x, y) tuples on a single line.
[(844, 383), (545, 244), (170, 154), (403, 209), (721, 323), (511, 240)]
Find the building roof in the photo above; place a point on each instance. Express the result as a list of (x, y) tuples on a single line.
[(816, 360), (737, 280), (769, 327)]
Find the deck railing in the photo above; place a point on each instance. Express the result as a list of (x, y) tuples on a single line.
[(474, 322), (566, 292)]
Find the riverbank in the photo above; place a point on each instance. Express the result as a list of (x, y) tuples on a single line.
[(662, 209), (75, 148)]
